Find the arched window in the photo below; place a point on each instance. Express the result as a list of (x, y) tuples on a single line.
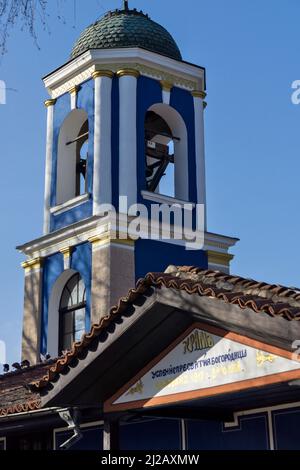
[(72, 312), (166, 156), (72, 156), (159, 141)]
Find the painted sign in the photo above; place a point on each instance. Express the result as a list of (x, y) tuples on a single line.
[(203, 360)]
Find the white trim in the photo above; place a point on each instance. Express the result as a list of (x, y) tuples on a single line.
[(76, 201), (133, 55), (82, 426), (162, 199), (3, 439), (80, 232)]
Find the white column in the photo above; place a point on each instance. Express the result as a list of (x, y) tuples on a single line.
[(166, 91), (73, 96), (48, 167), (200, 147), (128, 135), (102, 185)]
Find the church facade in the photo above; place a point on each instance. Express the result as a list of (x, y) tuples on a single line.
[(190, 357)]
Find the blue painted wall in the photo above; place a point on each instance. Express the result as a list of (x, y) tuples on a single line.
[(81, 261), (53, 268), (151, 255), (250, 434)]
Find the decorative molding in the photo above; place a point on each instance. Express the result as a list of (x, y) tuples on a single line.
[(66, 251), (103, 73), (199, 94), (128, 72), (162, 199), (166, 86), (204, 104), (74, 90), (76, 201), (97, 241), (180, 74), (35, 263), (50, 103), (101, 227), (215, 257)]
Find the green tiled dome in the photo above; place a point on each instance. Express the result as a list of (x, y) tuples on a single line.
[(127, 28)]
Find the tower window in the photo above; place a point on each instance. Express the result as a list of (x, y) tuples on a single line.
[(82, 146), (72, 313), (159, 144), (72, 159)]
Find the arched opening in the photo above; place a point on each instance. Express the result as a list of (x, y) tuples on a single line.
[(72, 156), (54, 306), (72, 312), (166, 152)]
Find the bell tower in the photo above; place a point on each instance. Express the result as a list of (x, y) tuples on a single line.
[(125, 120)]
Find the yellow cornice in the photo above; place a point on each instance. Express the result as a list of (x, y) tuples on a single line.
[(66, 251), (102, 73), (166, 86), (97, 240), (35, 263), (74, 90), (50, 103), (199, 94), (128, 72), (215, 257)]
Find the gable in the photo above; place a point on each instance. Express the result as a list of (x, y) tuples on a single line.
[(202, 362)]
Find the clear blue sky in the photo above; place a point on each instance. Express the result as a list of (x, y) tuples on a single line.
[(251, 50)]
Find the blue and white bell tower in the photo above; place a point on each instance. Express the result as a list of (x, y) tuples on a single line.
[(125, 118)]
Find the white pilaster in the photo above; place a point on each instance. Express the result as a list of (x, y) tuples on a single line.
[(73, 97), (48, 167), (102, 187), (166, 91), (128, 135), (200, 148)]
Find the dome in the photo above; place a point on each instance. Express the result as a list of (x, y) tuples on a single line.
[(127, 28)]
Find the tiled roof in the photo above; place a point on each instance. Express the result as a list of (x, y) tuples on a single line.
[(273, 299), (15, 394), (127, 28)]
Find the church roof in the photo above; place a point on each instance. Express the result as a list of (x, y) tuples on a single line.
[(127, 28), (15, 394), (22, 390), (273, 299)]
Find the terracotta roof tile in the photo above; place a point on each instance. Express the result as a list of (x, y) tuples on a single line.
[(275, 300), (16, 396)]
